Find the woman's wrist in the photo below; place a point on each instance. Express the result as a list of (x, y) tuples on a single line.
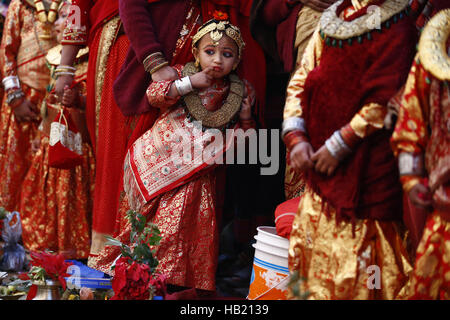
[(294, 137), (337, 147)]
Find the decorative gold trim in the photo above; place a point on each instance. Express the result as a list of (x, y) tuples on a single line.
[(335, 27), (433, 45), (219, 118), (109, 34)]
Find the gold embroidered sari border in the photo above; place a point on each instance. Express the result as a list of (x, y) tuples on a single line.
[(109, 34)]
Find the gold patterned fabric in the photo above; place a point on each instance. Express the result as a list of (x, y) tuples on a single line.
[(307, 21), (23, 48), (186, 217), (339, 262), (423, 128), (15, 150), (431, 277), (22, 54), (56, 204)]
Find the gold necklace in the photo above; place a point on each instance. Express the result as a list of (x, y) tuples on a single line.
[(219, 119), (433, 45), (52, 12)]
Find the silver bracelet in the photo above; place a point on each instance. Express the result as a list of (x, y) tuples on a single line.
[(410, 164), (292, 123), (184, 86), (14, 95), (11, 82), (337, 146)]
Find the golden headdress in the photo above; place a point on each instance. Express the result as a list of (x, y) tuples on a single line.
[(217, 28)]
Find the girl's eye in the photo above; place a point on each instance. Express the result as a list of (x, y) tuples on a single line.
[(209, 52), (228, 54)]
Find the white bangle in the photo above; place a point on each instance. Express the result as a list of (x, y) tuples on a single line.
[(184, 86), (410, 164), (11, 82), (337, 146), (292, 123)]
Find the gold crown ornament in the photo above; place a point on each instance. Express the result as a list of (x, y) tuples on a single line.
[(216, 30)]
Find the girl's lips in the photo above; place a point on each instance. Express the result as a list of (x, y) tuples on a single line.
[(217, 69)]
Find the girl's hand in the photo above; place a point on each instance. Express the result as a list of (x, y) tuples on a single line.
[(300, 156), (324, 162), (62, 82), (202, 79), (246, 109), (25, 111), (69, 96)]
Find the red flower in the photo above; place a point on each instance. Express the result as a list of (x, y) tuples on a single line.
[(54, 265), (219, 15), (134, 281)]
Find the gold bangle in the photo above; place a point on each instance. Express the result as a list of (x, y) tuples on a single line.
[(160, 66)]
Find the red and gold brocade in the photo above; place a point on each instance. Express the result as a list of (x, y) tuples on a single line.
[(423, 128), (186, 217), (186, 214), (25, 45), (334, 258), (56, 204), (332, 253), (22, 54)]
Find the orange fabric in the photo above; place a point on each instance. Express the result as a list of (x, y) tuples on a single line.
[(15, 150), (56, 205), (186, 217)]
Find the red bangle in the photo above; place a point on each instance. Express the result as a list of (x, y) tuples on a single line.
[(349, 136), (293, 138)]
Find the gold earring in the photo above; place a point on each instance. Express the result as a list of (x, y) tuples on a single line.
[(196, 63)]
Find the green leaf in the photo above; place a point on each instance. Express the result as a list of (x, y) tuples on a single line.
[(110, 241)]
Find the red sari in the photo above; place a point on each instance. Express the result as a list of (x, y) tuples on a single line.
[(56, 204), (179, 198), (106, 124)]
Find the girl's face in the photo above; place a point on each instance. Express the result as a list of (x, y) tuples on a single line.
[(60, 23), (222, 56)]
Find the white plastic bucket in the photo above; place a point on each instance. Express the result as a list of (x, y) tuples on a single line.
[(269, 235), (270, 273)]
